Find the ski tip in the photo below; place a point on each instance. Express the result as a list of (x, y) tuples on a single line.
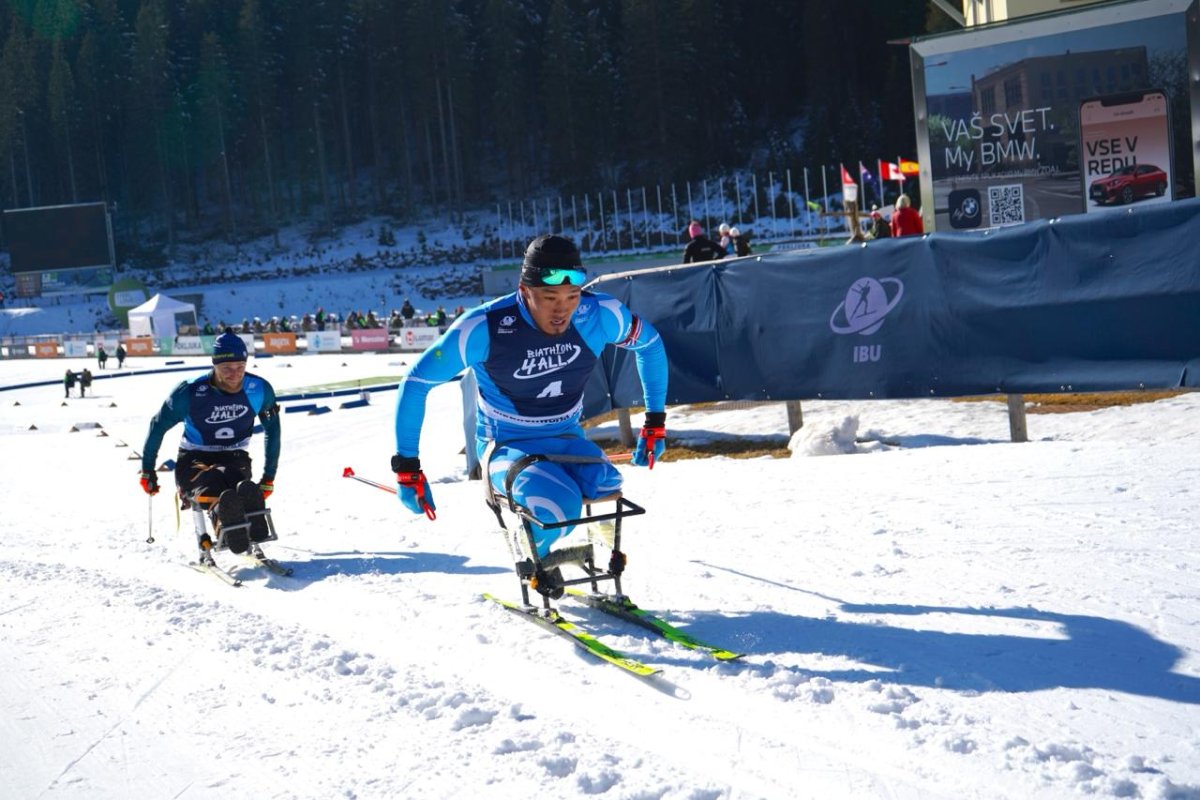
[(348, 473)]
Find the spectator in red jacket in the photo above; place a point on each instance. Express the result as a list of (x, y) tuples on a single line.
[(906, 221)]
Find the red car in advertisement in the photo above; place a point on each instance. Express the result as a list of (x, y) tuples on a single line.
[(1129, 183)]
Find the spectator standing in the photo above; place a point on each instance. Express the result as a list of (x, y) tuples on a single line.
[(407, 311), (101, 356), (121, 355), (726, 237), (320, 318), (880, 227), (85, 380), (741, 243), (68, 383), (701, 248), (905, 220)]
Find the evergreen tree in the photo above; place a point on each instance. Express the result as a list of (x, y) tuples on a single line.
[(62, 113)]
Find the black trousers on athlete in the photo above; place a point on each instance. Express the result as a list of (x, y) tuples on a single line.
[(203, 474)]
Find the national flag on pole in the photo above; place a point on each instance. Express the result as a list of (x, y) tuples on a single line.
[(890, 172), (909, 167), (868, 179), (849, 187)]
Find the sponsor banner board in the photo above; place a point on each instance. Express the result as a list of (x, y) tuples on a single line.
[(369, 339), (324, 341), (73, 348), (45, 349), (183, 346), (1048, 117), (417, 338), (139, 346), (279, 343)]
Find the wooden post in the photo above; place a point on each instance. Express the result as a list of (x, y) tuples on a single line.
[(627, 439), (852, 216), (1016, 418), (795, 416)]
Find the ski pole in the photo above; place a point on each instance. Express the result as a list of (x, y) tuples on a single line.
[(150, 519), (429, 512), (349, 473)]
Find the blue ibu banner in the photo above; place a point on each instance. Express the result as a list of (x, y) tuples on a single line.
[(1087, 303)]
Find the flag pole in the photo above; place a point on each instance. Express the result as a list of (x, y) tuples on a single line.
[(882, 183)]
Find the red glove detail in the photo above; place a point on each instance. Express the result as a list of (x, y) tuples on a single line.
[(149, 482)]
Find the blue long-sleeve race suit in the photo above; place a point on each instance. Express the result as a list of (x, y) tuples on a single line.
[(215, 421), (530, 395)]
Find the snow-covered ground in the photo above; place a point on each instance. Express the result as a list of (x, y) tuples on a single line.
[(958, 617)]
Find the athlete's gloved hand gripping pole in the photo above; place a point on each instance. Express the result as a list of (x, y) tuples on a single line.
[(652, 442), (149, 483), (429, 509), (413, 489)]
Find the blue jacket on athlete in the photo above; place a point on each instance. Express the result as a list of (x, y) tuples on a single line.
[(214, 421), (532, 352), (530, 383)]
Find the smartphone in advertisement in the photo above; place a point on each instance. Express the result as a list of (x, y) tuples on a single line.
[(1125, 150)]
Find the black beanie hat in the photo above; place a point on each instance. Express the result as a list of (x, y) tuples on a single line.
[(228, 347), (546, 252)]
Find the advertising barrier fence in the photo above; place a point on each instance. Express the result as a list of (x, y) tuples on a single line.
[(1086, 303), (85, 346)]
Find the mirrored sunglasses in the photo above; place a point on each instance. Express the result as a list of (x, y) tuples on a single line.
[(557, 277)]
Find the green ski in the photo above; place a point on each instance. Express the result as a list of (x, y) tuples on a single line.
[(557, 624), (625, 609)]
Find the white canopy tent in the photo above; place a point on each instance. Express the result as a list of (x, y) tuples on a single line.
[(160, 317)]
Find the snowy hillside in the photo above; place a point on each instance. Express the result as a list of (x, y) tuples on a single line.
[(959, 617)]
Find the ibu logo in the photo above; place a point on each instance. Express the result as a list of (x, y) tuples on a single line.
[(863, 353), (862, 312), (866, 304)]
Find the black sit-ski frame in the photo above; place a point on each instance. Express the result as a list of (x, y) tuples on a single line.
[(532, 571), (205, 542)]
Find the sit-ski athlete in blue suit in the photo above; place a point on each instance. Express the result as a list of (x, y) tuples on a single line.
[(532, 352)]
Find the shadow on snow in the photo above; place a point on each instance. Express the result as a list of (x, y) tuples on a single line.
[(1087, 652)]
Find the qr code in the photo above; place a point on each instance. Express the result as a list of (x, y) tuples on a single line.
[(1006, 204)]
